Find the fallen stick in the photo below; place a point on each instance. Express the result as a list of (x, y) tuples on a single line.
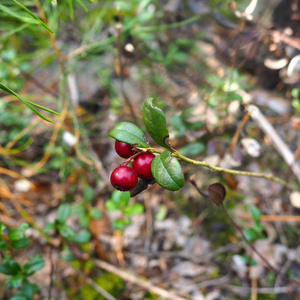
[(144, 283), (278, 143)]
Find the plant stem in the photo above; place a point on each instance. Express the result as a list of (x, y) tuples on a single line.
[(219, 169)]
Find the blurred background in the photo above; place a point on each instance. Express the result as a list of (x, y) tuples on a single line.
[(210, 62)]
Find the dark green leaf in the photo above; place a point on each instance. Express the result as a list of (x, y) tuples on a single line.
[(63, 213), (167, 171), (251, 234), (156, 124), (10, 267), (83, 236), (15, 234), (129, 133), (135, 209), (20, 244), (14, 281), (3, 245), (95, 213), (29, 289), (35, 264)]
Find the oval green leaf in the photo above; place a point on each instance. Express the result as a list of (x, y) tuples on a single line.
[(156, 124), (129, 133), (167, 171)]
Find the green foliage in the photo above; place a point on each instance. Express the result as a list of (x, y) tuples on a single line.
[(120, 201), (156, 123), (167, 171), (16, 238), (17, 275), (256, 232), (129, 133)]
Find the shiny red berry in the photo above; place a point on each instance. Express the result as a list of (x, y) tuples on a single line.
[(123, 149), (142, 165), (124, 178)]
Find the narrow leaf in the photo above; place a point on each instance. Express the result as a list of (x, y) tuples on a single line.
[(129, 133), (29, 104), (33, 15), (167, 171), (156, 124)]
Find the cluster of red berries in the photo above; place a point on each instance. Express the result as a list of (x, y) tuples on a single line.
[(125, 178)]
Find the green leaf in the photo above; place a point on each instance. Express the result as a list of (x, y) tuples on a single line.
[(192, 149), (2, 227), (135, 209), (29, 104), (20, 244), (49, 227), (295, 93), (118, 200), (15, 281), (83, 236), (88, 194), (110, 205), (67, 255), (35, 264), (67, 232), (18, 298), (29, 289), (16, 234), (156, 124), (121, 224), (10, 267), (251, 234), (33, 15), (256, 214), (167, 171), (63, 213), (129, 133), (3, 245), (95, 213)]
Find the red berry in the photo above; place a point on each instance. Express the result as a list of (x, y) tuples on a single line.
[(123, 178), (123, 149), (142, 165)]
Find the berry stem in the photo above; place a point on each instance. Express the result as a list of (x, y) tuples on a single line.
[(131, 158)]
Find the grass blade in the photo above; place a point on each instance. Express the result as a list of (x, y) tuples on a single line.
[(29, 104), (33, 15)]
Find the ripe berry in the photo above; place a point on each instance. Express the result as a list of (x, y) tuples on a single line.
[(123, 178), (142, 165), (123, 149)]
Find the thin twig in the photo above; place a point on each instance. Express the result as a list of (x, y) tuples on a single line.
[(238, 132), (143, 282)]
